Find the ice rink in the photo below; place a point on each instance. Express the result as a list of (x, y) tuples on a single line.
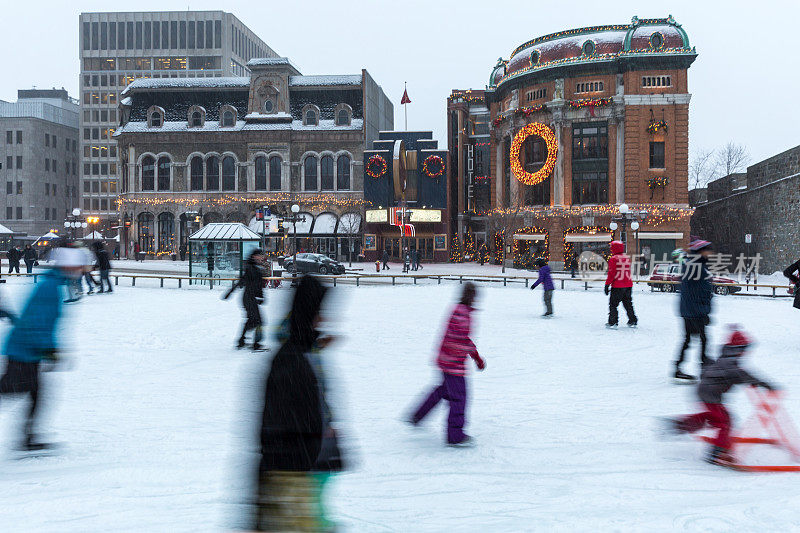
[(156, 411)]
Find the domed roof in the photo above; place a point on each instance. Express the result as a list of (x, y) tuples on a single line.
[(593, 45)]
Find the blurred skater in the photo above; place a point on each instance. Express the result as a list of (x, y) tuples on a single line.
[(790, 273), (717, 379), (32, 340), (546, 280), (30, 257), (620, 286), (89, 264), (252, 281), (695, 303), (456, 346), (293, 425), (103, 265)]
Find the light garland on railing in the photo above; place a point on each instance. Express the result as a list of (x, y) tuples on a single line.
[(540, 130)]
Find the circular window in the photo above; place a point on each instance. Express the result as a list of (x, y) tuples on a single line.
[(534, 58), (656, 41), (588, 48), (268, 106)]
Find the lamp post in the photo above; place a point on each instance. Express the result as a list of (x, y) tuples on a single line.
[(293, 220), (72, 222), (627, 216)]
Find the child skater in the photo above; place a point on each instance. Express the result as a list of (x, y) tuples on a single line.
[(547, 283), (455, 348), (716, 380)]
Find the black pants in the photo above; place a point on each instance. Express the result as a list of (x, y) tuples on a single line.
[(23, 378), (694, 326), (253, 320), (13, 266), (385, 266), (548, 302), (104, 279), (623, 295)]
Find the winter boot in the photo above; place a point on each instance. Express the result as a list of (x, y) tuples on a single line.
[(240, 344), (466, 442), (681, 376), (31, 444), (720, 456), (633, 324), (611, 326), (257, 347)]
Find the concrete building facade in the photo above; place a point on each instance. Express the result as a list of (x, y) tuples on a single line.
[(118, 48), (39, 160)]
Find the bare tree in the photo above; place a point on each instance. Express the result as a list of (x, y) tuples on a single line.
[(350, 225), (703, 168), (506, 221), (732, 158)]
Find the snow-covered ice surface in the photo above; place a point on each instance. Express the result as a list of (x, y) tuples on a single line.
[(157, 410)]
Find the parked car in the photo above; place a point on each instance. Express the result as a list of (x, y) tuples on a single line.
[(672, 272), (316, 263)]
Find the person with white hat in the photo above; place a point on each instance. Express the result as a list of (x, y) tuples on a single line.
[(695, 303)]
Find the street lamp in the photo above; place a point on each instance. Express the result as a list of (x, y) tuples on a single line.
[(294, 219), (627, 216)]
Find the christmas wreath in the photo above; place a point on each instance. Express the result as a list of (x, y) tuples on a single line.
[(376, 166), (433, 166), (540, 130)]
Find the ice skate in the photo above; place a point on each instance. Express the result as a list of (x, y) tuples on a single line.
[(611, 326), (682, 377), (466, 442), (633, 325), (721, 457)]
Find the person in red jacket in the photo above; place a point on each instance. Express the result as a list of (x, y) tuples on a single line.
[(456, 346), (619, 285)]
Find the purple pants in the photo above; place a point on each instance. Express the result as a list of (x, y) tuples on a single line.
[(454, 390)]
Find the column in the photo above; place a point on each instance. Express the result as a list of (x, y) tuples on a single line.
[(620, 163)]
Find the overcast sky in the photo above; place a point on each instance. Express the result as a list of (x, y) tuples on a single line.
[(744, 82)]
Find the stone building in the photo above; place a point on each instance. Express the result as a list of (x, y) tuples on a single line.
[(764, 202), (38, 160), (195, 151), (582, 121)]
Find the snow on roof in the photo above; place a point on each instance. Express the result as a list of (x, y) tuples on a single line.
[(127, 101), (94, 236), (213, 126), (268, 117), (310, 81), (224, 231), (5, 231), (261, 61), (49, 235), (188, 83)]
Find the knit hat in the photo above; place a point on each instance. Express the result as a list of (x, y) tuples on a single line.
[(698, 244), (738, 339)]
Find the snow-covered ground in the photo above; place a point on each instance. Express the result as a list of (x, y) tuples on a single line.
[(157, 415)]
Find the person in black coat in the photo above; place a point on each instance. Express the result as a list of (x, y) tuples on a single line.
[(252, 281), (103, 264), (30, 258), (385, 260), (13, 259), (695, 302), (292, 423), (790, 273)]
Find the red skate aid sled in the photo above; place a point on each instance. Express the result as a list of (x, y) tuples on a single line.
[(770, 420)]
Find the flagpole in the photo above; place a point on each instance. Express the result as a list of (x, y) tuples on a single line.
[(405, 106)]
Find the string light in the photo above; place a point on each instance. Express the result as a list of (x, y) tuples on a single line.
[(433, 161), (498, 248), (314, 199), (590, 102), (521, 246), (456, 253), (379, 162), (569, 249), (656, 126), (540, 130), (659, 181)]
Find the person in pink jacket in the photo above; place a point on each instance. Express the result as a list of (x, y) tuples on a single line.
[(456, 346)]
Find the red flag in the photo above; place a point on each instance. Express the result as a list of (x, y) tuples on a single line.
[(405, 99)]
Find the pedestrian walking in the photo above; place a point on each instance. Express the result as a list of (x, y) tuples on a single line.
[(13, 255), (546, 281), (415, 259), (790, 273), (182, 252), (30, 257), (137, 251), (406, 261), (455, 348), (32, 341), (103, 265), (695, 303), (619, 285), (385, 260), (252, 280)]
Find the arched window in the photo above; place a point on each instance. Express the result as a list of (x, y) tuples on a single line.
[(148, 173), (343, 173), (227, 119), (166, 232), (197, 119), (274, 173), (326, 173), (212, 173), (343, 118), (144, 228), (228, 174), (311, 117), (196, 171), (310, 172), (155, 119), (261, 173), (163, 173)]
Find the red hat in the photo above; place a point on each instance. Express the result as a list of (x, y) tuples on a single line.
[(738, 339), (617, 247), (698, 244)]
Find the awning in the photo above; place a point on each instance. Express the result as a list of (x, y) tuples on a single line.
[(659, 235), (588, 237), (302, 226), (5, 231), (349, 224), (529, 236), (325, 224), (94, 236)]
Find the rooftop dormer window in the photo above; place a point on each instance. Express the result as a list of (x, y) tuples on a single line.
[(589, 48), (656, 41), (197, 116), (344, 115), (155, 117), (311, 115), (227, 117)]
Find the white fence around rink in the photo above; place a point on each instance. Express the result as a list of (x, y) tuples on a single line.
[(565, 282)]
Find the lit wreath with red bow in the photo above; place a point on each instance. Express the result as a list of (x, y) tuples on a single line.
[(376, 166), (433, 166)]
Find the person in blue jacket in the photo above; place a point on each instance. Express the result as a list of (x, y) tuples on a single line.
[(32, 340), (546, 280), (695, 302)]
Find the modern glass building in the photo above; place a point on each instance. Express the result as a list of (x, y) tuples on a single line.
[(117, 48)]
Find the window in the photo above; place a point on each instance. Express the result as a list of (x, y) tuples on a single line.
[(129, 36), (536, 94), (166, 232), (228, 174), (163, 173), (87, 43), (589, 87), (54, 189), (342, 118), (95, 36), (590, 141), (656, 155), (310, 173), (209, 34), (47, 213), (275, 173), (590, 163), (212, 173), (19, 213), (148, 173), (139, 35), (112, 35), (227, 119), (165, 34), (19, 162), (55, 143), (103, 36), (55, 165), (268, 106), (196, 120), (10, 213), (9, 187), (589, 48), (47, 139), (9, 162), (310, 117), (155, 119), (217, 34), (19, 137), (261, 173), (9, 137), (145, 232), (103, 204), (156, 35), (196, 173), (656, 41), (535, 154), (656, 81), (173, 34), (343, 173), (589, 188), (95, 186), (47, 164), (326, 173), (201, 37)]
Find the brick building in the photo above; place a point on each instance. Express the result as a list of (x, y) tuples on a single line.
[(583, 121), (194, 151), (763, 202)]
